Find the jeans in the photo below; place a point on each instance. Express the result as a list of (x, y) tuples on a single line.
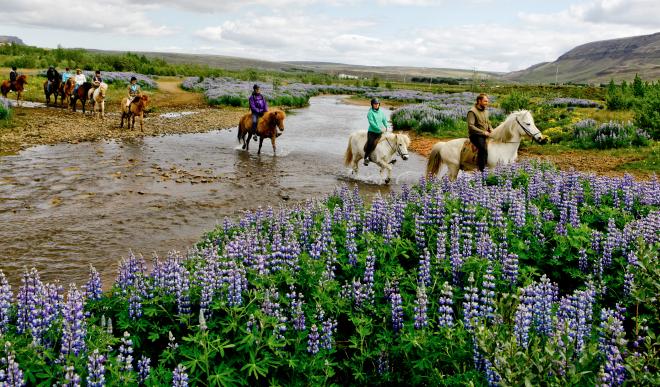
[(482, 155), (255, 119), (372, 140)]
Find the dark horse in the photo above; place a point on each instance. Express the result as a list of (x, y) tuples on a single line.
[(17, 86), (53, 89), (267, 127), (81, 94)]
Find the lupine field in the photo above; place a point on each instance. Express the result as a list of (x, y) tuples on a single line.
[(521, 275)]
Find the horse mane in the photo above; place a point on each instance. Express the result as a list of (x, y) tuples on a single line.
[(500, 134)]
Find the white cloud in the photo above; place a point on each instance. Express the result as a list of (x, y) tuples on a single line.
[(111, 16), (625, 12)]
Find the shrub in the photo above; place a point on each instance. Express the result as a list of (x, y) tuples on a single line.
[(514, 101), (619, 101), (5, 110), (647, 112)]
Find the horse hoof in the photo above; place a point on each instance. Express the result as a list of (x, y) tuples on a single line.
[(387, 180)]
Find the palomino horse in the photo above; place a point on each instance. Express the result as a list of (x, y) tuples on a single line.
[(267, 127), (388, 145), (66, 91), (17, 86), (81, 94), (97, 98), (136, 108), (54, 88), (502, 145)]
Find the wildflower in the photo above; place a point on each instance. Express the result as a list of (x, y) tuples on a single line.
[(96, 369), (180, 377)]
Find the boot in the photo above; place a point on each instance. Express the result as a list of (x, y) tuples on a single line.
[(366, 160)]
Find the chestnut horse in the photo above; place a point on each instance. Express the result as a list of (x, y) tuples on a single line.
[(136, 108), (81, 94), (17, 86), (53, 89), (266, 128), (66, 90)]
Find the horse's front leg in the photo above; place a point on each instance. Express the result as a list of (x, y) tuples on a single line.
[(385, 166), (142, 122), (272, 140), (261, 142)]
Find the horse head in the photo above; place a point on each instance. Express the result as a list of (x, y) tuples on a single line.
[(524, 123), (277, 120), (402, 143), (22, 80)]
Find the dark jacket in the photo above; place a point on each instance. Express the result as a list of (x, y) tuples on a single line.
[(258, 104), (52, 75), (478, 121), (13, 75)]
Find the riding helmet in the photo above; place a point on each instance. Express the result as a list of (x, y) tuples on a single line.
[(255, 87), (133, 78), (375, 101)]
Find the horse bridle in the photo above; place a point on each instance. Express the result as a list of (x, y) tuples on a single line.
[(527, 131), (397, 149)]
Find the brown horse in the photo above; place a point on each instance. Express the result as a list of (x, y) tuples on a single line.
[(136, 108), (81, 94), (17, 86), (266, 128), (66, 91), (54, 89)]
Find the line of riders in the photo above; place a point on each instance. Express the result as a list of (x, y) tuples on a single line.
[(56, 83)]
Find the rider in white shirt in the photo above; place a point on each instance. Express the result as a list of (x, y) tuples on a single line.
[(80, 78)]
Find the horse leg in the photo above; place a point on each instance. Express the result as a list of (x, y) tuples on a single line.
[(452, 171), (261, 141), (272, 140), (121, 125), (141, 122)]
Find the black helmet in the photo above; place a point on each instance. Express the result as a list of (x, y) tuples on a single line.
[(255, 87), (133, 78), (375, 101), (13, 68)]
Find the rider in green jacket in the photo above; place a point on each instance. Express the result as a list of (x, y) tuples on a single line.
[(377, 124)]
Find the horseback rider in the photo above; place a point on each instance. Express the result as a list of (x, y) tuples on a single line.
[(52, 75), (65, 75), (377, 125), (133, 91), (13, 75), (479, 128), (96, 81), (258, 106), (80, 79)]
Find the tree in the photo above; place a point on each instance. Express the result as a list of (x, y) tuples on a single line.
[(638, 86)]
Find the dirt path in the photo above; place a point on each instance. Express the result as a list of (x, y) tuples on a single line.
[(38, 126)]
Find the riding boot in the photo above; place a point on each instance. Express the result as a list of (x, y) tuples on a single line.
[(366, 160)]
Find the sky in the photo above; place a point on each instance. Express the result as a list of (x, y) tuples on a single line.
[(485, 35)]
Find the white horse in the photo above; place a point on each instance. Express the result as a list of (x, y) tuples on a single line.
[(502, 145), (388, 145), (97, 96)]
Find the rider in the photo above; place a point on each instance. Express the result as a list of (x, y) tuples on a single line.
[(479, 128), (66, 75), (80, 79), (52, 75), (258, 106), (377, 124), (13, 75), (96, 81), (133, 91)]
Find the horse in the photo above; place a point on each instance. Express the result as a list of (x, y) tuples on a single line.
[(81, 94), (267, 127), (66, 91), (136, 108), (389, 144), (502, 146), (97, 98), (53, 89), (18, 86)]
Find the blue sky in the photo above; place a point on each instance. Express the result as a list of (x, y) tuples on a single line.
[(484, 34)]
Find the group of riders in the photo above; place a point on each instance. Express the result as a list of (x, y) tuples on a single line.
[(53, 76)]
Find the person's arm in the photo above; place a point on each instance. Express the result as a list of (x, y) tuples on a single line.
[(471, 120), (265, 104), (384, 119), (253, 107)]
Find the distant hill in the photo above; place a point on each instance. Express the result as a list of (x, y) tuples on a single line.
[(10, 39), (598, 62)]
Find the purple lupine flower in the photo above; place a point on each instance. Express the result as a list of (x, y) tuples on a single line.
[(183, 291), (135, 299), (144, 369), (13, 376), (396, 303), (6, 299), (313, 340), (445, 311), (628, 281), (455, 254), (420, 237), (351, 246), (523, 323), (129, 269), (96, 369), (368, 279), (421, 307), (383, 364), (471, 304), (424, 269), (94, 286), (71, 378), (180, 377), (492, 377), (487, 304), (441, 247), (322, 242), (583, 261), (330, 262), (125, 357), (612, 343), (237, 284), (518, 212), (328, 327), (74, 327), (510, 269)]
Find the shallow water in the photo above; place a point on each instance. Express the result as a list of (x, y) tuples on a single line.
[(63, 207)]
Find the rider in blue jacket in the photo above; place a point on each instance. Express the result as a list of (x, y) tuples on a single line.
[(258, 106)]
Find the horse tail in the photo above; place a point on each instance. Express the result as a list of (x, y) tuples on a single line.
[(433, 165), (348, 156)]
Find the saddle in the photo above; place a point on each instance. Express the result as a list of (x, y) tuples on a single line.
[(468, 156)]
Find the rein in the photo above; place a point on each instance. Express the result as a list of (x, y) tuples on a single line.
[(526, 131), (396, 150)]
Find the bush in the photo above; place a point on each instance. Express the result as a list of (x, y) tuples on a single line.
[(619, 101), (514, 101), (647, 112), (5, 110)]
